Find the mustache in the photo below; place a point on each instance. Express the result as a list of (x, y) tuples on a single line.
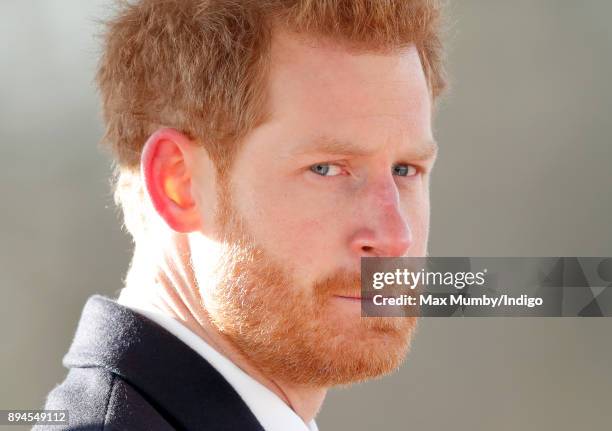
[(339, 283)]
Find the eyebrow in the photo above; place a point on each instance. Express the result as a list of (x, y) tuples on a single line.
[(333, 146)]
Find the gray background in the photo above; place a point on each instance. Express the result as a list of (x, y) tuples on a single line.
[(524, 171)]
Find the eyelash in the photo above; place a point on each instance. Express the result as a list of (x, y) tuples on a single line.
[(417, 169)]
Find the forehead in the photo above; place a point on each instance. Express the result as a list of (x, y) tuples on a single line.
[(316, 83)]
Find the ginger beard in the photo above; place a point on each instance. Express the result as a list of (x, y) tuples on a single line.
[(292, 332)]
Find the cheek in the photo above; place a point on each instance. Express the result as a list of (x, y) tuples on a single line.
[(303, 232), (294, 225)]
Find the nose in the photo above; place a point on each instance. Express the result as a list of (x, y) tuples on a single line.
[(385, 231)]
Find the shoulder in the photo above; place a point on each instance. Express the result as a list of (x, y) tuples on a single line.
[(97, 399)]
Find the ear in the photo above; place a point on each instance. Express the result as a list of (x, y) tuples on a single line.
[(168, 180)]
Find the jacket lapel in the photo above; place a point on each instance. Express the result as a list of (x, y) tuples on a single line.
[(176, 380)]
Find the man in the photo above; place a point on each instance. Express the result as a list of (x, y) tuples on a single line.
[(261, 149)]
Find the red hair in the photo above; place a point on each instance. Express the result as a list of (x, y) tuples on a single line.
[(199, 66)]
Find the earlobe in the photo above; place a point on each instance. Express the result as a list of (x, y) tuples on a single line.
[(168, 180)]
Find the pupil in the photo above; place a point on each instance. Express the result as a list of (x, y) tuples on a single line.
[(321, 169), (401, 170)]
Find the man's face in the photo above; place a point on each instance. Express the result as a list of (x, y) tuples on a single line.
[(340, 170)]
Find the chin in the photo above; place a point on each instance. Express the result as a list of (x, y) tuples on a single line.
[(355, 353)]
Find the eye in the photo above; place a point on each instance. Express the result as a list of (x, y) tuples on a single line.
[(404, 170), (326, 169)]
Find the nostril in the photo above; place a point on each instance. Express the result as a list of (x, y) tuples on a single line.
[(367, 248)]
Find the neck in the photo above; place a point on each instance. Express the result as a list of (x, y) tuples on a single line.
[(167, 285)]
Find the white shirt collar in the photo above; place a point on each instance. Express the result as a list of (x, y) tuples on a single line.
[(271, 412)]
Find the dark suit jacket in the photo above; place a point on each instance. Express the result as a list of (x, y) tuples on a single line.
[(128, 373)]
